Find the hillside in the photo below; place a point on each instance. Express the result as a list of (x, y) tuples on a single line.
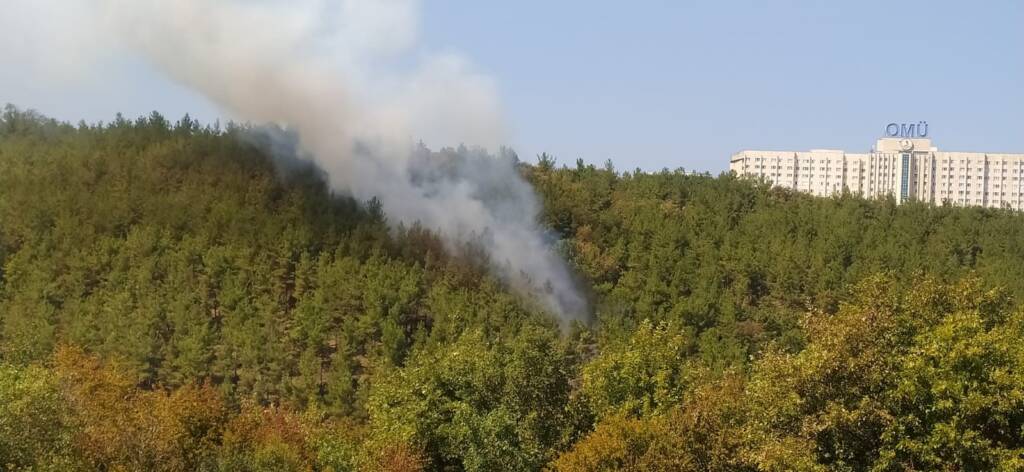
[(173, 297)]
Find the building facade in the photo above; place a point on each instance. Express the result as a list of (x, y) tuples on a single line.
[(907, 168)]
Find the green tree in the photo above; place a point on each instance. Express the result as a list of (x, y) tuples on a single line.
[(36, 425), (642, 375), (478, 406)]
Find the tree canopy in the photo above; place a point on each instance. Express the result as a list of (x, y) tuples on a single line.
[(175, 297)]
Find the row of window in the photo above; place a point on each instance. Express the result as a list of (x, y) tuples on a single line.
[(979, 193), (979, 169), (811, 181), (837, 174), (887, 166), (887, 158)]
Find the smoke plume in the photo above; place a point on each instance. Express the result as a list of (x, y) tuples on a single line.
[(349, 78)]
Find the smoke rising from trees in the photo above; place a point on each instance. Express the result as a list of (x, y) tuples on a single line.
[(349, 78)]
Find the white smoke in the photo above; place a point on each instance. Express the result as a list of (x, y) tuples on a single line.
[(350, 79)]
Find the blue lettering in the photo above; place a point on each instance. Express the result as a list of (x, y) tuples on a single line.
[(907, 130)]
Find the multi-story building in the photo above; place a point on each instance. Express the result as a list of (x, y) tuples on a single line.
[(907, 168)]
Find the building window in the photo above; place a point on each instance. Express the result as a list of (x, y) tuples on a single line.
[(905, 177)]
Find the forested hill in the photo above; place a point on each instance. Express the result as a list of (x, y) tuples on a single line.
[(173, 299)]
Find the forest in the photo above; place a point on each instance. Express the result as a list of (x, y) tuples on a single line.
[(172, 298)]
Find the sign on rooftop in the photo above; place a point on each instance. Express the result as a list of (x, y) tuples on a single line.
[(907, 130)]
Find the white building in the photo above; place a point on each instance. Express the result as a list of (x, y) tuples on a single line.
[(908, 168)]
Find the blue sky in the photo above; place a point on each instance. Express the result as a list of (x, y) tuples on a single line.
[(655, 84)]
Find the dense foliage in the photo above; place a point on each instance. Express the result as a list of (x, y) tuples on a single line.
[(174, 297)]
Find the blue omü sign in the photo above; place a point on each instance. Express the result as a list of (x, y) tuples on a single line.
[(907, 130)]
